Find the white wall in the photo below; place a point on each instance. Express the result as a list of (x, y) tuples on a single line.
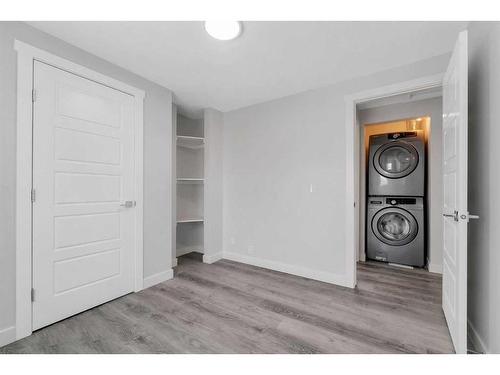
[(192, 127), (484, 186), (214, 143), (157, 156), (419, 108), (274, 153)]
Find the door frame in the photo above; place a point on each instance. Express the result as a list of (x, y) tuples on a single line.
[(26, 56), (352, 214)]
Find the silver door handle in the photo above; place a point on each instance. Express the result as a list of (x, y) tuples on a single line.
[(128, 204), (454, 215)]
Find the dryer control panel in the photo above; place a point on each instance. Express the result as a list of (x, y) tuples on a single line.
[(401, 135)]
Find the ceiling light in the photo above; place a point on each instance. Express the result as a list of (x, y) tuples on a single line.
[(223, 30)]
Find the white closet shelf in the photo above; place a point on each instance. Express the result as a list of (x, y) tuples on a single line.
[(190, 220), (190, 142), (190, 137)]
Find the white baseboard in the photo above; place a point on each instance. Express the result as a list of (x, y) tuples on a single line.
[(476, 340), (435, 268), (209, 259), (7, 335), (326, 277), (158, 278)]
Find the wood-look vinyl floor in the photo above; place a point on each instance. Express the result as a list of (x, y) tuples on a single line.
[(229, 307)]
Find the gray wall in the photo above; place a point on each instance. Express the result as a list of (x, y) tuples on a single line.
[(484, 186), (419, 108), (273, 153), (157, 157)]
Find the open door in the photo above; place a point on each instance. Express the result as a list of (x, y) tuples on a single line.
[(455, 214)]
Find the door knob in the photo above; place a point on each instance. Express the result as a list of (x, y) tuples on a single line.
[(128, 204)]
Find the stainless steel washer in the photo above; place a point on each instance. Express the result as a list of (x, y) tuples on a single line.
[(396, 230)]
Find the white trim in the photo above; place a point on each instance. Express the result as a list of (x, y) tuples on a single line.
[(26, 54), (209, 259), (475, 338), (173, 185), (435, 268), (352, 167), (23, 193), (352, 201), (158, 278), (7, 335), (326, 277), (139, 194), (71, 67)]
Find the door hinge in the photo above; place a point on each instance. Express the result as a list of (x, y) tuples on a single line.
[(32, 295), (33, 95), (33, 195)]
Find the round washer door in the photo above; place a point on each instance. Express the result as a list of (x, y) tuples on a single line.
[(396, 159), (394, 226)]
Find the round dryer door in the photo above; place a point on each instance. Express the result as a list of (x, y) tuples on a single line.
[(395, 159), (394, 226)]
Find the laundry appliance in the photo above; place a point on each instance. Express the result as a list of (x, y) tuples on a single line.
[(397, 164), (395, 230)]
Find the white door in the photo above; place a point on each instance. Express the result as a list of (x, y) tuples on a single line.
[(455, 214), (83, 170)]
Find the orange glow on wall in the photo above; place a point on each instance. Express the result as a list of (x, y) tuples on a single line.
[(420, 124)]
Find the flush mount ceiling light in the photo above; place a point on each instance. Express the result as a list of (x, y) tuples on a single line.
[(223, 30)]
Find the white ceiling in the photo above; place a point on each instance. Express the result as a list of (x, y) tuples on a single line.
[(269, 60)]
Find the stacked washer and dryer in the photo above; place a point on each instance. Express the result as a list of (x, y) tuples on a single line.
[(395, 222)]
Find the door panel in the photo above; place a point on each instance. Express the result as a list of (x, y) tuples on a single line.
[(79, 229), (86, 147), (83, 168), (75, 100), (86, 269), (455, 214)]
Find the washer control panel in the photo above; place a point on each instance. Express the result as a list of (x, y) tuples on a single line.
[(393, 201), (396, 201)]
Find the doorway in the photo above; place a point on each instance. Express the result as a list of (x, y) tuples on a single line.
[(353, 213), (83, 201), (417, 112), (454, 212)]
